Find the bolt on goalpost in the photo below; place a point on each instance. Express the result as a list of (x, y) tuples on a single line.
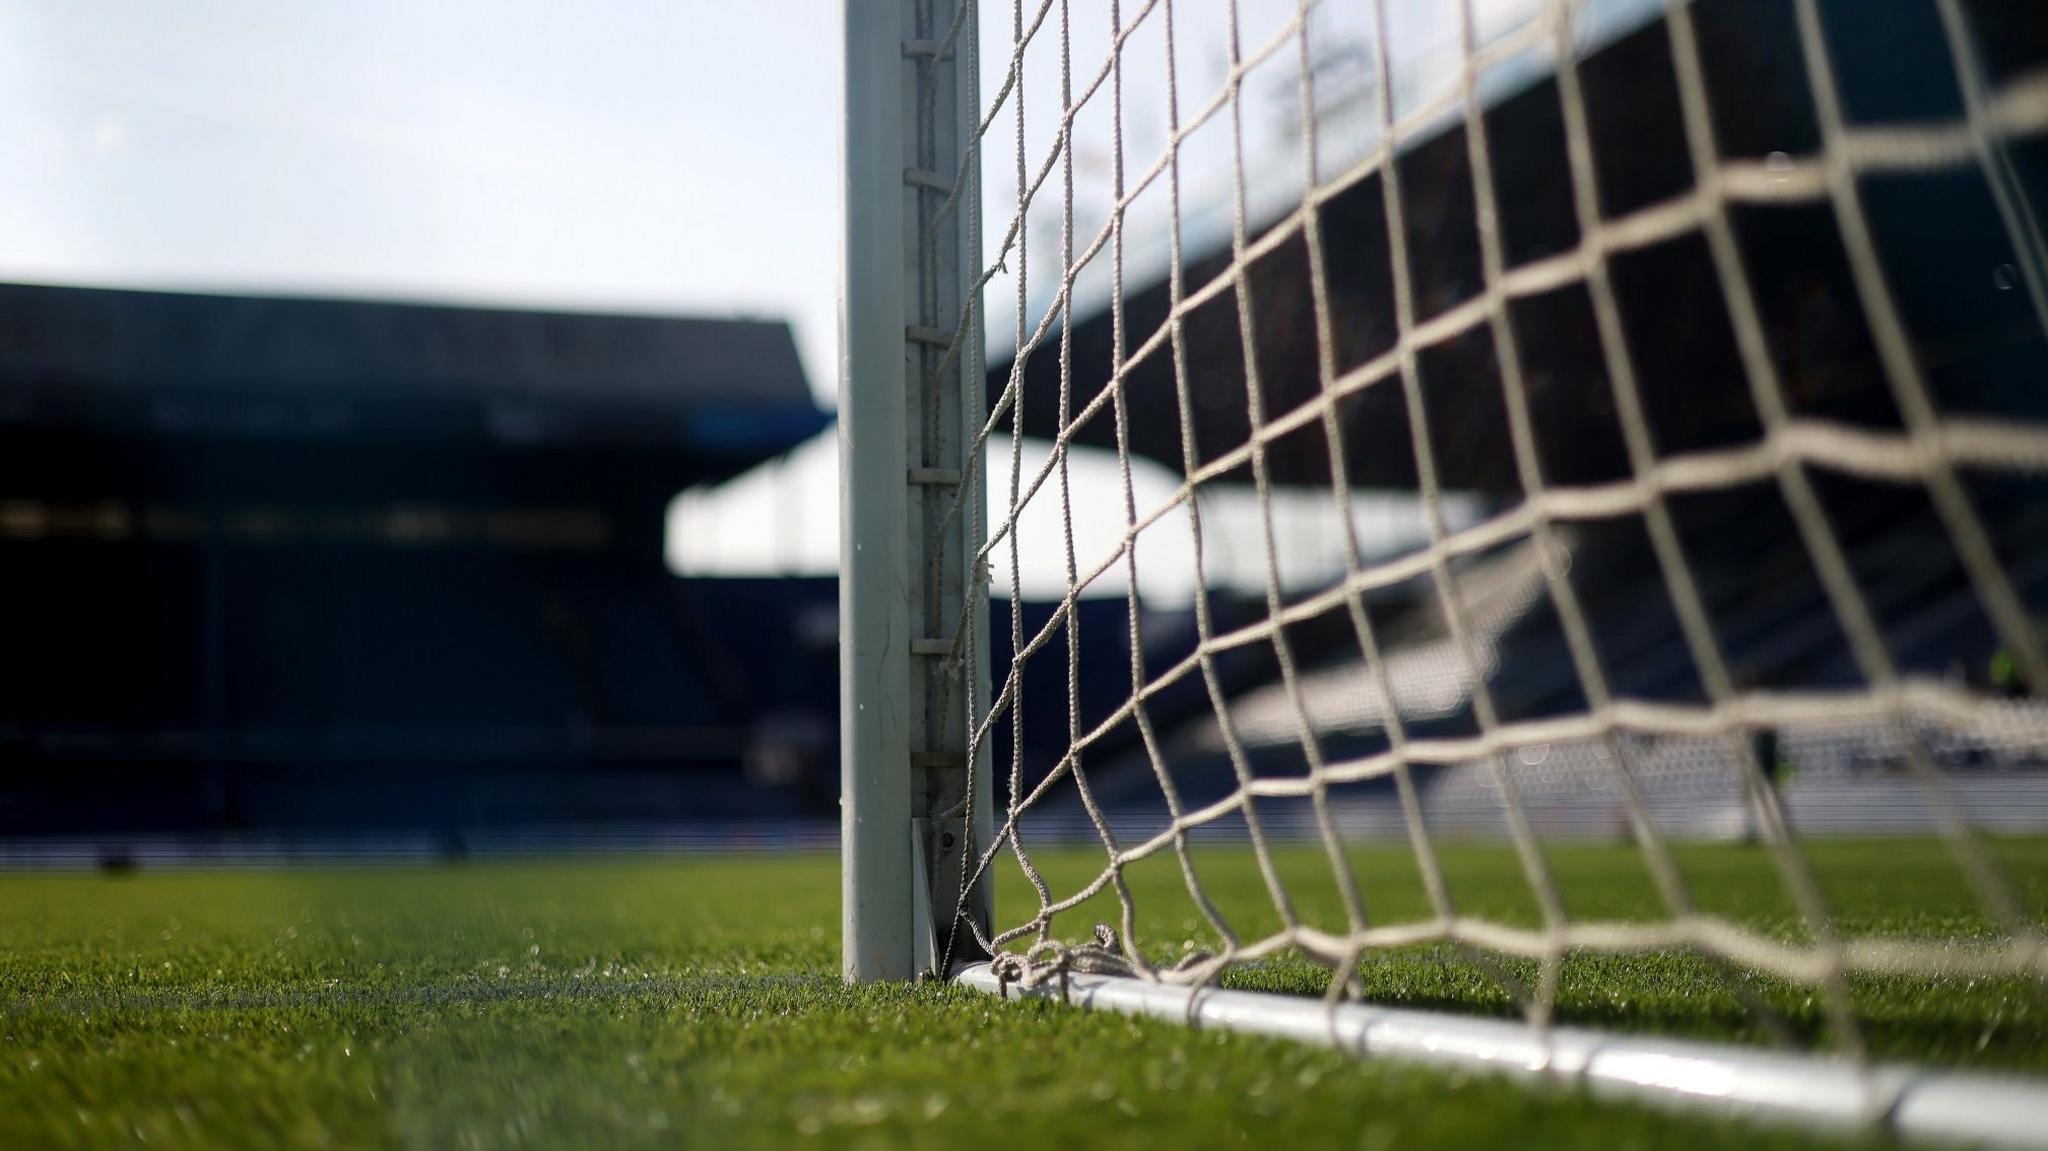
[(913, 622)]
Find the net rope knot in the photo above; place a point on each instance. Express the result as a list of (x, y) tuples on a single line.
[(1052, 959)]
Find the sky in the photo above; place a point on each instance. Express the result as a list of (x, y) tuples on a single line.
[(644, 155)]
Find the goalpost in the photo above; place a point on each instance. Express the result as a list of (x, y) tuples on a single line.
[(1593, 421), (913, 608)]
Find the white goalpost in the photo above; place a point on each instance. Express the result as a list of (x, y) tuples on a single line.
[(1607, 433), (913, 612)]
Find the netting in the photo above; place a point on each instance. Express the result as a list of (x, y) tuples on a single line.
[(1700, 346)]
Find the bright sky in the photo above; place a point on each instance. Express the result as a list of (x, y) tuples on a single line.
[(636, 154), (664, 155)]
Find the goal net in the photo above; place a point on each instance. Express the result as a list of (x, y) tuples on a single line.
[(1513, 507)]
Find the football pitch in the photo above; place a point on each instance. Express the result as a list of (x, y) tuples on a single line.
[(697, 1002)]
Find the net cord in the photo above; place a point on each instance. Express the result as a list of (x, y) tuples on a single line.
[(1928, 454)]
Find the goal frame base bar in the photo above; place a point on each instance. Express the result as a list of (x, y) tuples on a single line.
[(1913, 1102)]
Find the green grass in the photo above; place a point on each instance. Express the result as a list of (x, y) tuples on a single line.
[(697, 1003)]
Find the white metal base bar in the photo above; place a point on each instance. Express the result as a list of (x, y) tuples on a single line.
[(1914, 1102)]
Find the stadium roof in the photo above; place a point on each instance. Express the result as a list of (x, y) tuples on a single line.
[(97, 355), (1937, 234)]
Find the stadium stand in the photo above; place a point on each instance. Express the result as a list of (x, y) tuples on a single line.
[(292, 563)]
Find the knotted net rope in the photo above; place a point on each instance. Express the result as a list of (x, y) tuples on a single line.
[(1930, 450)]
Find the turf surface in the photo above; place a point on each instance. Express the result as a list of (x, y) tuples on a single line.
[(697, 1002)]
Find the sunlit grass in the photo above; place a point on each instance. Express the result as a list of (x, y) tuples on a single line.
[(698, 1002)]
